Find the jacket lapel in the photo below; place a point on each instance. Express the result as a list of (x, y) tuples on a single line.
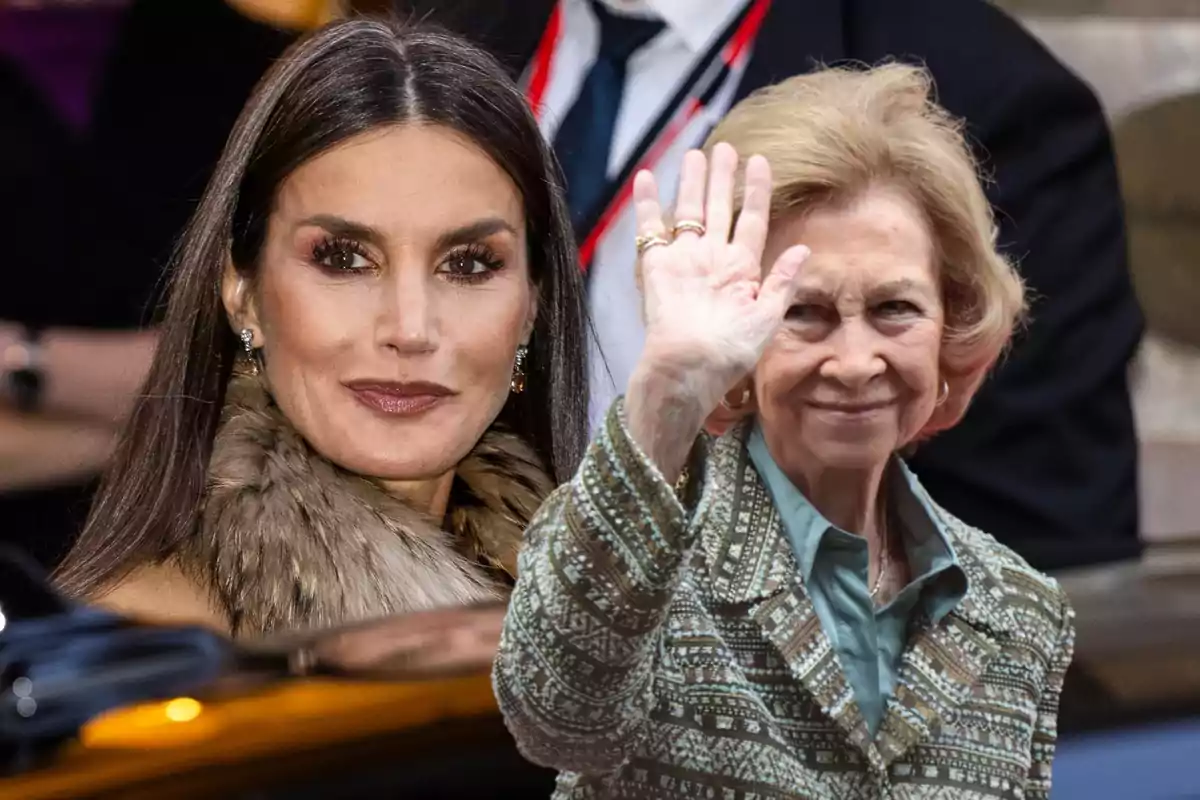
[(752, 565), (748, 556), (795, 37), (944, 663), (789, 622)]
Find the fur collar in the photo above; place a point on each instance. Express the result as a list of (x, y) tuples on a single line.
[(290, 541)]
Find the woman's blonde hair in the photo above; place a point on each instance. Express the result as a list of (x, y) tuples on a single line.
[(832, 134)]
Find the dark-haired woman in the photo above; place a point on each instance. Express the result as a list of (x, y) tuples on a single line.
[(371, 370)]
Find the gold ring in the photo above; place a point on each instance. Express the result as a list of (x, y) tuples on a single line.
[(644, 243), (689, 226), (740, 404)]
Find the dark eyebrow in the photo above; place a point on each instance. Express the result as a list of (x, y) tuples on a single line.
[(342, 227), (480, 229), (473, 232)]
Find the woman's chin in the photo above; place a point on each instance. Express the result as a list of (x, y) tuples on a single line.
[(396, 467), (850, 454), (421, 454)]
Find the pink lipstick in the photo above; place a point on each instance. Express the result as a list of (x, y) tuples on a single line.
[(399, 399)]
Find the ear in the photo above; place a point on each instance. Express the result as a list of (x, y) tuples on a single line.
[(949, 412), (724, 417), (239, 303)]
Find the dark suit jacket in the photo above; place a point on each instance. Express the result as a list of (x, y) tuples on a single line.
[(1046, 459)]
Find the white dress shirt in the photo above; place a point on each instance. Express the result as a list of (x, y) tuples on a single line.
[(653, 75)]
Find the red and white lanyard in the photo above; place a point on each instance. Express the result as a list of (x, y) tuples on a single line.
[(723, 59)]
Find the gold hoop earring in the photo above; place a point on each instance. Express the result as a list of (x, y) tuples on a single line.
[(517, 384), (742, 402), (944, 393)]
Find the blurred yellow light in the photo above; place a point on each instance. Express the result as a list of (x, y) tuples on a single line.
[(182, 709), (152, 726)]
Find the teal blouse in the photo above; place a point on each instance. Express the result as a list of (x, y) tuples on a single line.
[(868, 641)]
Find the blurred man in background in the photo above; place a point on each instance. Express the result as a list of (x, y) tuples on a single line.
[(1046, 458)]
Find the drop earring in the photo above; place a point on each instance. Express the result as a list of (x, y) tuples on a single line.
[(517, 384), (247, 337)]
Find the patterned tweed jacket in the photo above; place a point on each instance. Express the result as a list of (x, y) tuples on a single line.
[(663, 646)]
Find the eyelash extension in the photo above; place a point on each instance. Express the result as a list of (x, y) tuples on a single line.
[(333, 244), (475, 251)]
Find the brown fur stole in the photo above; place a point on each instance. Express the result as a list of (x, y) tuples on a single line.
[(290, 541)]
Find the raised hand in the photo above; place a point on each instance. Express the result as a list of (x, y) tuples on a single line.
[(709, 309)]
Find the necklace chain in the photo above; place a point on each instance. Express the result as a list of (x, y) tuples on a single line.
[(885, 560)]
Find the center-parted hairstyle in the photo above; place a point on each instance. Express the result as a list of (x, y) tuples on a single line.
[(346, 79)]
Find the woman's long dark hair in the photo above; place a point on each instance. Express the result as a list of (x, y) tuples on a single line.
[(348, 78)]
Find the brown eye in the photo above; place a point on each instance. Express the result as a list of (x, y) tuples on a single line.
[(474, 263), (344, 259), (341, 255), (462, 265)]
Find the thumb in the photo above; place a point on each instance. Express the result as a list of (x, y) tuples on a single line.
[(775, 293)]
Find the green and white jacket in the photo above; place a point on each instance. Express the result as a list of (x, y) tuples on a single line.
[(662, 645)]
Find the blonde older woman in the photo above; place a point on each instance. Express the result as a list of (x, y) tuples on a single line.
[(797, 617)]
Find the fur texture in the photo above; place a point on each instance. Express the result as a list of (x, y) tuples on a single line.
[(290, 541)]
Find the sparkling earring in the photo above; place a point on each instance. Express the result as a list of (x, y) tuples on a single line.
[(944, 393), (517, 384), (247, 337)]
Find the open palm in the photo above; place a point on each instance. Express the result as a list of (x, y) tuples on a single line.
[(709, 309)]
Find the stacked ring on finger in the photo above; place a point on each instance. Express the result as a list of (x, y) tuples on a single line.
[(647, 241), (689, 226)]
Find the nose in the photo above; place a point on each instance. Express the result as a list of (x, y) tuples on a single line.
[(855, 357), (408, 318)]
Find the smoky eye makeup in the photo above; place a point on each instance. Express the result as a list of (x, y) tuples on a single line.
[(471, 263), (340, 254), (465, 255)]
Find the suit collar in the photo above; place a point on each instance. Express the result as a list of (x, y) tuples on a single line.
[(984, 606), (795, 37), (742, 538), (696, 23), (944, 662), (751, 563), (744, 542), (931, 558)]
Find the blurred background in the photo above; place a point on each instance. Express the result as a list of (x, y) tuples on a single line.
[(1142, 57), (112, 113)]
